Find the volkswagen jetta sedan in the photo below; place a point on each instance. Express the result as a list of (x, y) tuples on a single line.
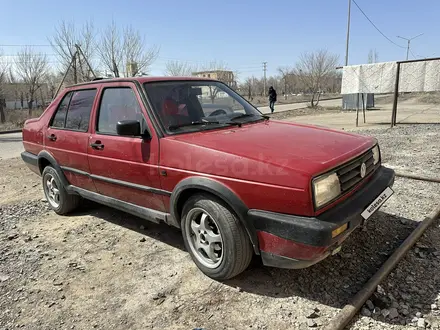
[(194, 154)]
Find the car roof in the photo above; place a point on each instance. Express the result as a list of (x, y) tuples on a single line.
[(141, 80)]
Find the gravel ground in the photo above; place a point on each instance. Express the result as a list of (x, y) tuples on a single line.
[(413, 149), (100, 268)]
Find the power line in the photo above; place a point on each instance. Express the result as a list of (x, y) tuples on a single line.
[(376, 26), (16, 55), (26, 45), (159, 59), (408, 40), (415, 57)]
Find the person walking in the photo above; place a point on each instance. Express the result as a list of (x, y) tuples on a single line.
[(272, 98)]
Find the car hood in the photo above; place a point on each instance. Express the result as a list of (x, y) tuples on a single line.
[(305, 148)]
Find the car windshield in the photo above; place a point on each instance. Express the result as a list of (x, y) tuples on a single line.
[(184, 106)]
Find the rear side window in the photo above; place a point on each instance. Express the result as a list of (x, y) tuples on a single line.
[(60, 115), (74, 110), (78, 114), (118, 103)]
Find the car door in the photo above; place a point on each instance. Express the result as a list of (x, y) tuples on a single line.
[(125, 168), (67, 137)]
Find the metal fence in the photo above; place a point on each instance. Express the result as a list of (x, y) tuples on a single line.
[(415, 76), (408, 90)]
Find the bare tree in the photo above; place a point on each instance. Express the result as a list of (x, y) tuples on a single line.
[(236, 76), (284, 72), (373, 56), (178, 68), (125, 52), (52, 80), (110, 49), (3, 78), (136, 55), (258, 86), (16, 87), (290, 81), (66, 36), (247, 88), (32, 68), (313, 69)]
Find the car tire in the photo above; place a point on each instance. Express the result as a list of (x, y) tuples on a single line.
[(215, 238), (57, 197)]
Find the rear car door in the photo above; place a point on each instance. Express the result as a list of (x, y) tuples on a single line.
[(124, 168), (67, 137)]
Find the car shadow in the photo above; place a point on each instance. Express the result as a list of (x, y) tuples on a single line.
[(332, 282), (163, 232)]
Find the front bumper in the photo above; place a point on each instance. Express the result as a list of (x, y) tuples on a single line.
[(288, 241)]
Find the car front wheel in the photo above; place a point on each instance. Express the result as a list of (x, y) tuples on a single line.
[(215, 238)]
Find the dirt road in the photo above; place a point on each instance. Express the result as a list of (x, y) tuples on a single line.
[(100, 268), (10, 145), (409, 112)]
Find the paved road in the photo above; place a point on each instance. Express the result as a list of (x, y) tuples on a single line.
[(295, 106), (10, 145), (408, 112)]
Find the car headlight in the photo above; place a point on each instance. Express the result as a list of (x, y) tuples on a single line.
[(376, 155), (326, 188)]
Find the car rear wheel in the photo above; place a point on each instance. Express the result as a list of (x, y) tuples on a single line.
[(55, 192), (215, 238)]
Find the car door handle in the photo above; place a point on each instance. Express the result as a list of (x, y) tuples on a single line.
[(52, 137), (97, 145)]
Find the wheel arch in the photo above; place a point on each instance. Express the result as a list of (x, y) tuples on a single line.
[(189, 186), (46, 159)]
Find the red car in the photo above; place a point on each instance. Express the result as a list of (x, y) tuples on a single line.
[(236, 182)]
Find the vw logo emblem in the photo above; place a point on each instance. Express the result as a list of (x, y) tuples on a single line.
[(363, 170)]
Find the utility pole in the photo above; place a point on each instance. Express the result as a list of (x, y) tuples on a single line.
[(264, 70), (79, 51), (75, 57), (409, 41), (348, 32)]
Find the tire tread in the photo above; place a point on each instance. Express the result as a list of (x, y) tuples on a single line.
[(242, 246)]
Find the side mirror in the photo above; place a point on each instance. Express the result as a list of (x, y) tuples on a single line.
[(128, 128), (131, 128)]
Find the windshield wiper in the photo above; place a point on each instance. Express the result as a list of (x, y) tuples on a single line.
[(208, 122), (245, 115), (193, 123)]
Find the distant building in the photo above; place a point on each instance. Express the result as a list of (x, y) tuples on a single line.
[(224, 76)]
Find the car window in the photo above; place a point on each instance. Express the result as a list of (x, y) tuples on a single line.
[(78, 114), (118, 103), (60, 115), (188, 104), (213, 98)]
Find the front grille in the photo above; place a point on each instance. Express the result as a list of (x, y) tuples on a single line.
[(350, 174)]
